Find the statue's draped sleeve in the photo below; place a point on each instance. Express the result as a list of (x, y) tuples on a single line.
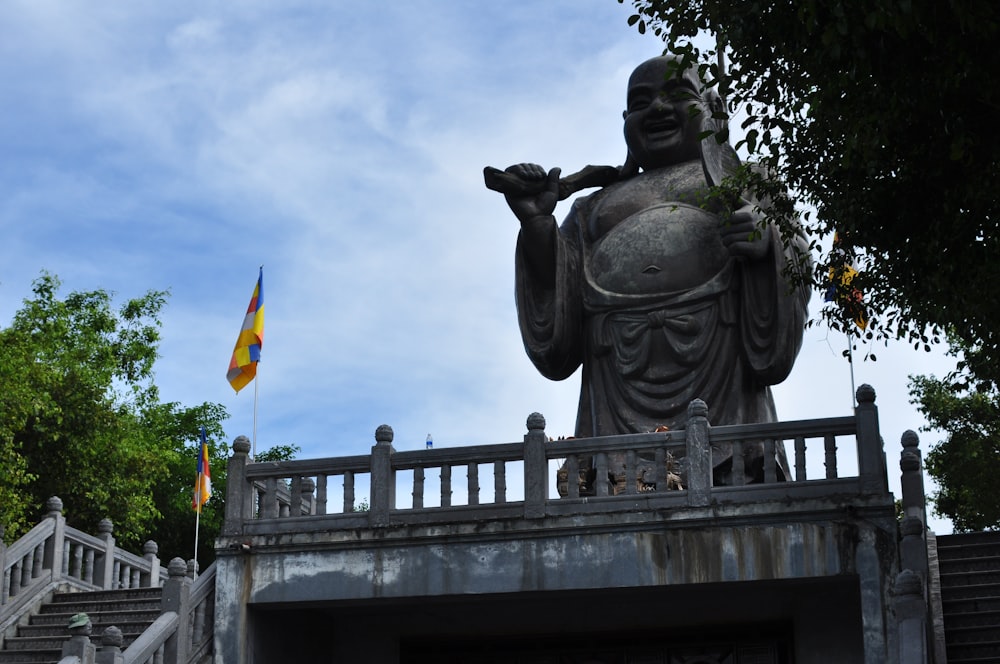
[(772, 313), (550, 314)]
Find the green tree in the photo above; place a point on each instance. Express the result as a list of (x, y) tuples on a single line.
[(882, 116), (966, 463), (80, 416)]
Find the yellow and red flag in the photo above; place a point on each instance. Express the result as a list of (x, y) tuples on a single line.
[(203, 482), (246, 354)]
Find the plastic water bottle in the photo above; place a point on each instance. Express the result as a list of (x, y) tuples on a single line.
[(430, 442)]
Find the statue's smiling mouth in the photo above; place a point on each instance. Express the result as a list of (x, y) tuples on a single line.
[(662, 126)]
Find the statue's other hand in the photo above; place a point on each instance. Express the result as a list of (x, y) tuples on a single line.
[(541, 203), (743, 235)]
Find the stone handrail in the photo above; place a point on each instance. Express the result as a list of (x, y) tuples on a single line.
[(149, 646), (52, 553), (254, 499)]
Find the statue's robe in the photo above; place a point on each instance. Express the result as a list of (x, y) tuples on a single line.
[(657, 311)]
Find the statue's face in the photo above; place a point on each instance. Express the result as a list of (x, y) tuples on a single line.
[(660, 129)]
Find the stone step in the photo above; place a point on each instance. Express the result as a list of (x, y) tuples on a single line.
[(988, 619), (969, 564), (983, 651), (960, 606), (103, 618), (970, 578), (88, 606), (126, 622), (35, 657), (980, 591), (968, 545), (109, 595)]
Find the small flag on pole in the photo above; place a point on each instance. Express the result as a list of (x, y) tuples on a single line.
[(841, 288), (246, 354), (203, 482)]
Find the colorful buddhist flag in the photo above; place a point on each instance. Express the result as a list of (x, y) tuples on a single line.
[(203, 481), (841, 288), (246, 354)]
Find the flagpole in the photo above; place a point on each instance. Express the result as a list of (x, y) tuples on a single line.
[(850, 360), (197, 525), (256, 382)]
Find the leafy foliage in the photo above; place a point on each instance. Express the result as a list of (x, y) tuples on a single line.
[(80, 418), (967, 462), (881, 115)]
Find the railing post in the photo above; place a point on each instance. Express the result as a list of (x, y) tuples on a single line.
[(3, 566), (104, 565), (79, 645), (871, 459), (239, 496), (176, 597), (536, 468), (912, 480), (699, 455), (54, 545), (149, 551), (110, 650), (383, 484)]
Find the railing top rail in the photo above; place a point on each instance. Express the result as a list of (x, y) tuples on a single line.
[(325, 465), (30, 540), (569, 446), (459, 455), (146, 644), (845, 425), (80, 537), (204, 585)]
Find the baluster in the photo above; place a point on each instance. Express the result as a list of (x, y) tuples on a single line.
[(308, 501), (446, 485), (15, 578), (5, 589), (116, 574), (158, 655), (27, 570), (283, 510), (739, 464), (65, 558), (573, 477), (295, 497), (660, 479), (601, 480), (830, 444), (800, 459), (473, 468), (631, 475), (136, 580), (25, 567), (770, 461), (77, 570), (88, 566), (198, 626), (500, 481), (418, 487), (321, 494), (39, 563), (270, 510), (348, 491)]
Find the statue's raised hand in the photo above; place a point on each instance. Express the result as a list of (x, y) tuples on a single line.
[(541, 203), (744, 236)]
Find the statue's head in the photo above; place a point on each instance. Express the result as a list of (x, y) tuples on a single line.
[(666, 112)]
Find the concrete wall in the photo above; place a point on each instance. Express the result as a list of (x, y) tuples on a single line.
[(819, 573)]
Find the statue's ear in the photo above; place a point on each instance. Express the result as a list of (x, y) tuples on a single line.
[(718, 156), (629, 169)]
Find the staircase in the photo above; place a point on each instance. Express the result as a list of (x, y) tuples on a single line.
[(970, 596), (42, 639)]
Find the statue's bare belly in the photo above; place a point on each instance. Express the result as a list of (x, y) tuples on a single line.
[(661, 249)]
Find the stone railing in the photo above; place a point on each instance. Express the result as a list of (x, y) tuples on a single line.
[(672, 469), (183, 633), (53, 554)]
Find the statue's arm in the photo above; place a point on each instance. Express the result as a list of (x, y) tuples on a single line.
[(538, 226)]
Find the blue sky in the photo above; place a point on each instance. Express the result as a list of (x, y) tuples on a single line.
[(180, 145)]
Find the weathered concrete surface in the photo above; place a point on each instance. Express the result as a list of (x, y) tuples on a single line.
[(714, 551)]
